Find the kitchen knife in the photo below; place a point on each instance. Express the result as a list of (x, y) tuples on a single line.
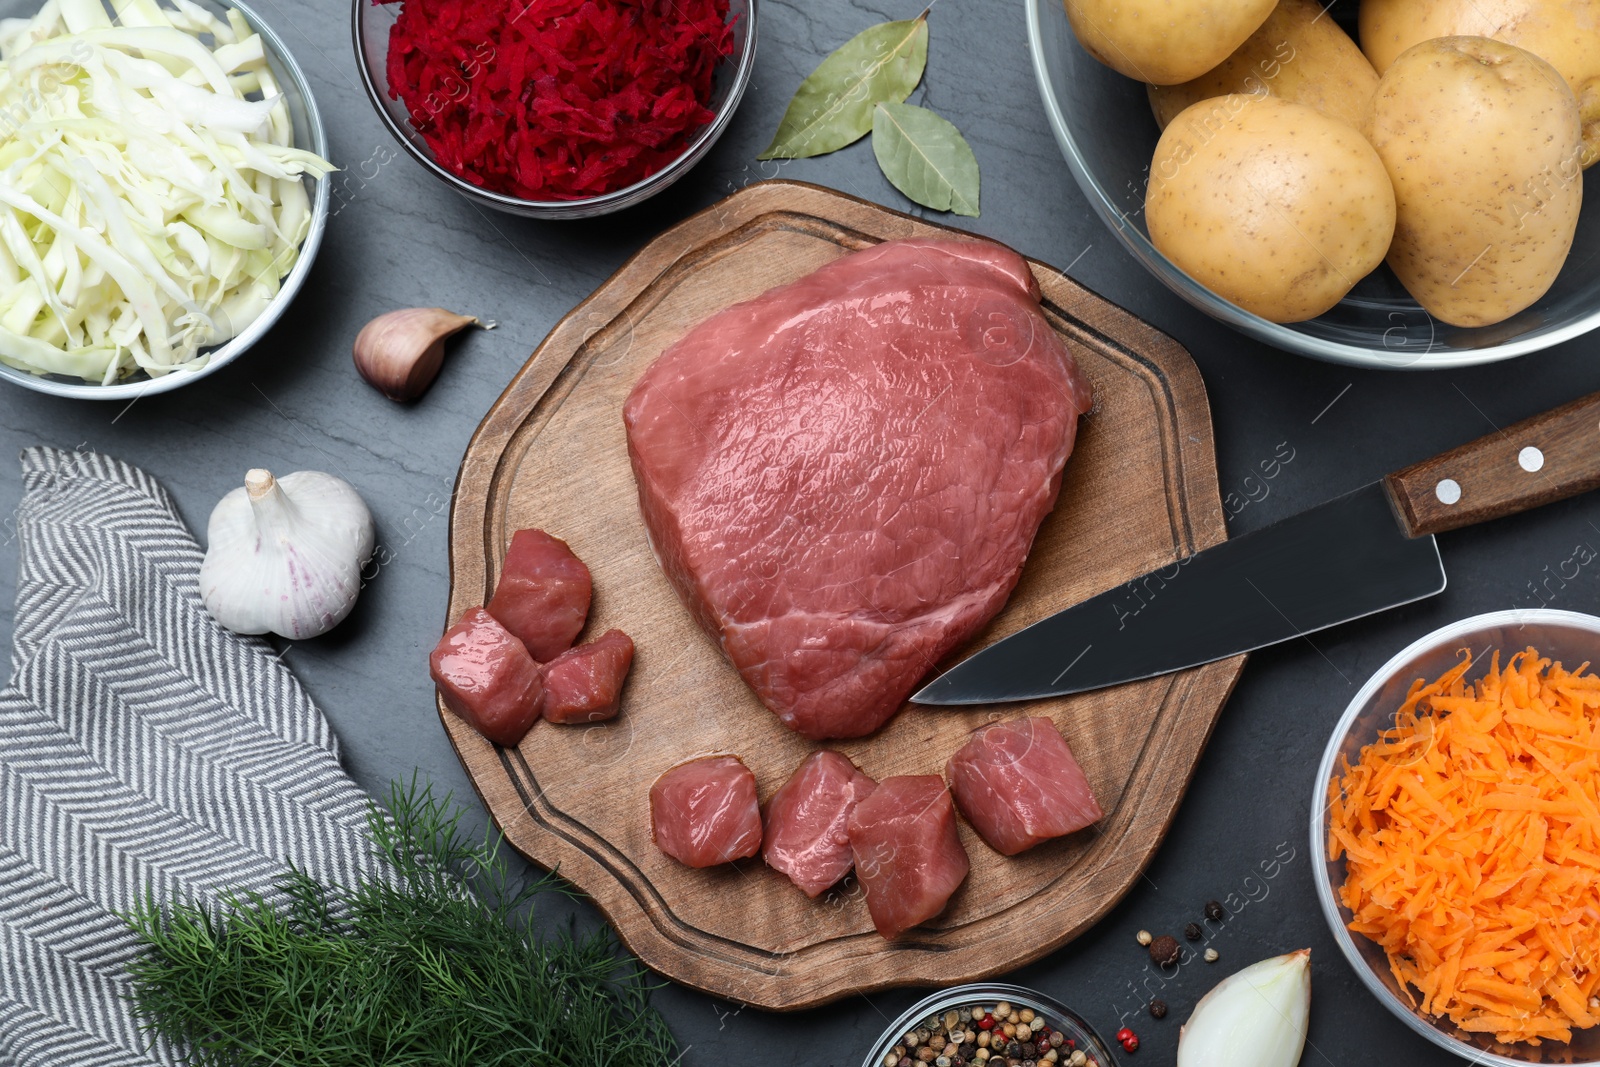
[(1365, 552)]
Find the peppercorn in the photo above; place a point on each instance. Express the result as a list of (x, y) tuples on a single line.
[(1212, 955), (1193, 932), (927, 1054), (1214, 911), (1029, 1050), (987, 1022), (1132, 1044), (1144, 937), (1158, 1009), (1164, 951), (1014, 1049)]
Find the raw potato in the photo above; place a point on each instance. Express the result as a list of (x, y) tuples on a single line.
[(1164, 41), (1272, 205), (1481, 140), (1563, 33), (1299, 54)]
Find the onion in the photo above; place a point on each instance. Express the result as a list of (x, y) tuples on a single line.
[(1256, 1018)]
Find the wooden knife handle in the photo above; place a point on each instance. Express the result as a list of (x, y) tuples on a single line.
[(1538, 461)]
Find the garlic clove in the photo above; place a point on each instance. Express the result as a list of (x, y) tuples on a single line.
[(284, 555), (400, 352), (1255, 1018)]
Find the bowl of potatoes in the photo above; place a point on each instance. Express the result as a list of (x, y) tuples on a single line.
[(1386, 183)]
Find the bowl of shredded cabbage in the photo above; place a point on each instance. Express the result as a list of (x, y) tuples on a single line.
[(161, 197)]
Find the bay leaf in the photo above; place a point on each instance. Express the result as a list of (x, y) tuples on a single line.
[(925, 157), (833, 106)]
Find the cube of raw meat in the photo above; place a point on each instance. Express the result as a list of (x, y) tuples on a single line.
[(543, 594), (1018, 784), (705, 812), (908, 855), (807, 821), (487, 677), (584, 684)]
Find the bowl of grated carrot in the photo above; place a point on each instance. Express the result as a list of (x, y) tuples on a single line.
[(1457, 813)]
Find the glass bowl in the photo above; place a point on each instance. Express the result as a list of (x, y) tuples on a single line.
[(1567, 636), (1057, 1015), (371, 22), (1103, 124), (309, 135)]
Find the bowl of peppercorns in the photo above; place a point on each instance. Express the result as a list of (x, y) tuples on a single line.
[(989, 1025)]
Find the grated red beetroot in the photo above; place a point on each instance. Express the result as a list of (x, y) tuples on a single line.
[(557, 99)]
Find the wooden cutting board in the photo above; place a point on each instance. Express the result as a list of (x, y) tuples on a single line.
[(1140, 492)]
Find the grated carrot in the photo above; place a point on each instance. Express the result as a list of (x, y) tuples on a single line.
[(1471, 838)]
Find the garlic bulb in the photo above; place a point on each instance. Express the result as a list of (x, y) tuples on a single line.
[(285, 554), (1256, 1018)]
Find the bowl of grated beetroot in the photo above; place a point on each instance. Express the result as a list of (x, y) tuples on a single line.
[(556, 109)]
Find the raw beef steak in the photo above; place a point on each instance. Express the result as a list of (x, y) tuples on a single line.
[(843, 477)]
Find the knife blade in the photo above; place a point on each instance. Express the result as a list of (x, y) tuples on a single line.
[(1365, 552)]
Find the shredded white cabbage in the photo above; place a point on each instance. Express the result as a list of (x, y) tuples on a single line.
[(151, 198)]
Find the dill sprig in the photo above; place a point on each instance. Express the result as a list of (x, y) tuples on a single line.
[(438, 965)]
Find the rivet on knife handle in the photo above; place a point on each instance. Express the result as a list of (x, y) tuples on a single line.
[(1538, 461)]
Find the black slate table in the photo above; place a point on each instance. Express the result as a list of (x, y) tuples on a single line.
[(398, 238)]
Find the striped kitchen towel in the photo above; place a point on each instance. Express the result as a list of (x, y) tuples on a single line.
[(142, 747)]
